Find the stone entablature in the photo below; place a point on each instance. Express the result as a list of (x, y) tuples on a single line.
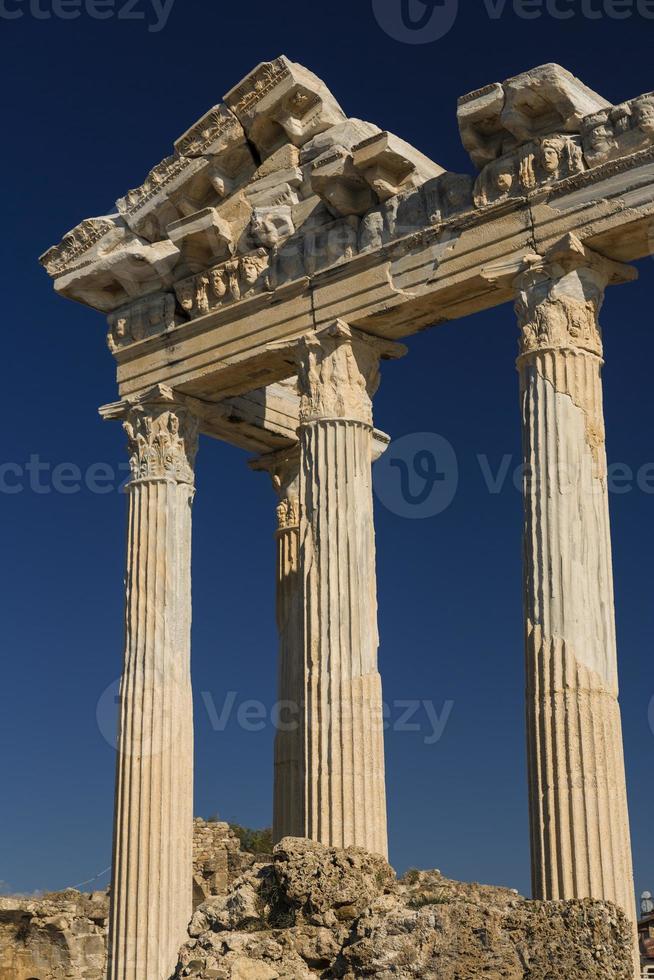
[(275, 185)]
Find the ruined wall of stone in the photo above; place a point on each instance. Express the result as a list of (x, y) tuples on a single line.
[(58, 937), (63, 936)]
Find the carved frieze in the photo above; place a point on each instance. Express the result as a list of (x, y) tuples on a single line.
[(145, 318), (336, 241), (247, 95), (209, 134), (225, 283), (437, 200), (619, 131), (447, 195), (534, 165), (217, 227)]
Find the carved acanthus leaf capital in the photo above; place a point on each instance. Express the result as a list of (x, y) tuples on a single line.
[(338, 373), (559, 297), (283, 468), (162, 435), (558, 311)]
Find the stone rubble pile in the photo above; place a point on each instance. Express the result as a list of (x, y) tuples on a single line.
[(323, 912)]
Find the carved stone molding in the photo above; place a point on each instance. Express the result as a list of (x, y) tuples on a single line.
[(140, 320), (619, 131), (225, 283)]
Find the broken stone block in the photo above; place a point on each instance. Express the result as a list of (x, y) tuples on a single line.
[(202, 238), (544, 101), (390, 165), (347, 134), (280, 187), (337, 181), (547, 100), (282, 102)]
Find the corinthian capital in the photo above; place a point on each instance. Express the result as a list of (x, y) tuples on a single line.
[(559, 310), (338, 373), (162, 435), (283, 468), (559, 297)]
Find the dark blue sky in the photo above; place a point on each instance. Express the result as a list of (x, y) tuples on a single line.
[(89, 106)]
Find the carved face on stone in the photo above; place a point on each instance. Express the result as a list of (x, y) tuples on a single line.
[(120, 330), (550, 157), (186, 294), (643, 116), (503, 180), (599, 136), (218, 284), (252, 267), (264, 231)]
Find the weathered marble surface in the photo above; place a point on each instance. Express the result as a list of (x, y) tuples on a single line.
[(581, 844)]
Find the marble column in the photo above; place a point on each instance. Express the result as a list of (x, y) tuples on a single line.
[(579, 821), (345, 796), (288, 793), (151, 898)]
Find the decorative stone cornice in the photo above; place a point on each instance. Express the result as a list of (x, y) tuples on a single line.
[(218, 226), (162, 435), (338, 373)]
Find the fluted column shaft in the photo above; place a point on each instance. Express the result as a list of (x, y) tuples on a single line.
[(151, 898), (343, 725), (288, 791), (578, 802)]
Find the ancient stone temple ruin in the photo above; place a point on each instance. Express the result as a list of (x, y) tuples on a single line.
[(253, 284)]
